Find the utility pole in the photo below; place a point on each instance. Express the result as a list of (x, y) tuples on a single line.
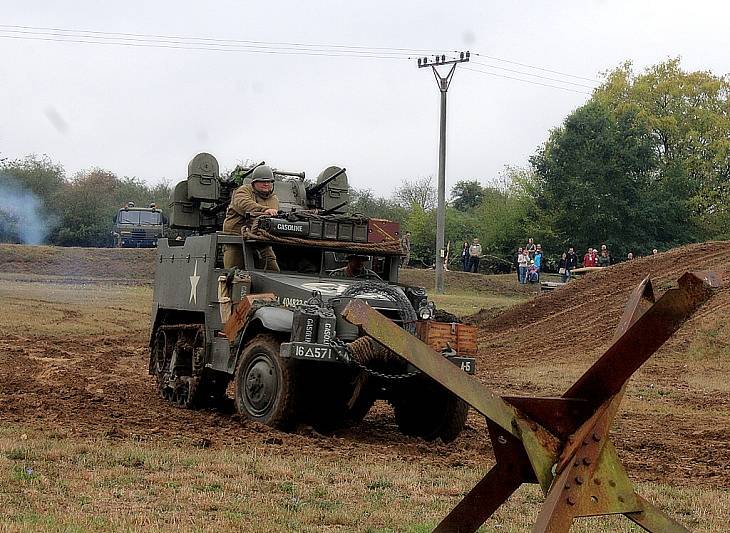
[(443, 83)]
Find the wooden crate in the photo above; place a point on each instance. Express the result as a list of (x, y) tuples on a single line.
[(460, 337), (380, 230)]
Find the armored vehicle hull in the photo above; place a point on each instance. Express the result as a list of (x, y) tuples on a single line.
[(280, 338)]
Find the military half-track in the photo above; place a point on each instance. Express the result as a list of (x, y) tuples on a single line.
[(279, 337)]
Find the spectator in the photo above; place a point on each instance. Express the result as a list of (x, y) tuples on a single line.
[(561, 267), (630, 256), (475, 251), (405, 244), (523, 262), (604, 260), (654, 251), (589, 259), (571, 262), (516, 263), (538, 261), (531, 248), (465, 257), (594, 255)]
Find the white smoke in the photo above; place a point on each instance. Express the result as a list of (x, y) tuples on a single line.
[(21, 213)]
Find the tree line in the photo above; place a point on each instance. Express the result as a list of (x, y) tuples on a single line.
[(643, 164), (66, 212)]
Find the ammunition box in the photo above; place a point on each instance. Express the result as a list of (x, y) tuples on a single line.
[(330, 230), (460, 337)]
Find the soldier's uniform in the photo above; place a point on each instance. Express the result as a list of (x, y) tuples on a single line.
[(247, 200)]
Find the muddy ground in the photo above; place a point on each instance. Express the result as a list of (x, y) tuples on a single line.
[(674, 426)]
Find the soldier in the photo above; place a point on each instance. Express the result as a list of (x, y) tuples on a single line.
[(355, 269), (405, 244), (258, 198)]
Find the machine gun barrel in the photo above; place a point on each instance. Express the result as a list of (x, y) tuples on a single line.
[(248, 171), (299, 175), (320, 186)]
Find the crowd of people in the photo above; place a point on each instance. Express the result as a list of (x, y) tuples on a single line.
[(529, 262)]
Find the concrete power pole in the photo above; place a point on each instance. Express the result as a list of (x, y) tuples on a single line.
[(443, 83)]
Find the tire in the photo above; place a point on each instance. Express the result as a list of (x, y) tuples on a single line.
[(264, 384), (427, 410), (326, 391), (361, 406)]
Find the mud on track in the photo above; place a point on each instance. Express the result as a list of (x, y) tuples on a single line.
[(674, 426)]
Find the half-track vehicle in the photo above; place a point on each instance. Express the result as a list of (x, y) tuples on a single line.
[(279, 337)]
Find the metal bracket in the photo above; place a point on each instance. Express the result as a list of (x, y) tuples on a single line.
[(561, 443)]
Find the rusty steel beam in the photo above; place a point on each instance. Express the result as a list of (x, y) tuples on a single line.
[(425, 359), (561, 443)]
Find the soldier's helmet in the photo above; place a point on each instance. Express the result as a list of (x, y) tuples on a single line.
[(262, 173)]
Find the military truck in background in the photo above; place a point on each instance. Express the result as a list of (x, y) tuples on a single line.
[(280, 337), (138, 227)]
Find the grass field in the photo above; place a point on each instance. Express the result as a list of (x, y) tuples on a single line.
[(52, 482)]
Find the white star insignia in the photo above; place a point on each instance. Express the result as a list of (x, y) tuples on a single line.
[(194, 279)]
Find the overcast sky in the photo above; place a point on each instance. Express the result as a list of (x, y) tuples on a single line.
[(145, 111)]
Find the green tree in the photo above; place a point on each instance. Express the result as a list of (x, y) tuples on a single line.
[(417, 192), (688, 117), (466, 194), (594, 177)]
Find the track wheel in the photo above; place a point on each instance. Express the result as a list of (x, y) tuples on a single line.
[(160, 363), (264, 383)]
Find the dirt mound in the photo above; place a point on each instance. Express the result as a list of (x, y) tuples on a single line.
[(677, 405), (105, 263)]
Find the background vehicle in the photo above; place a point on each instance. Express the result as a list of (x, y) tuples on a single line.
[(138, 227), (280, 336)]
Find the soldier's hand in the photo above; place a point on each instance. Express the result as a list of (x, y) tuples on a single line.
[(271, 212)]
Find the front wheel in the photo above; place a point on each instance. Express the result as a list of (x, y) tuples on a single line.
[(264, 384), (426, 409)]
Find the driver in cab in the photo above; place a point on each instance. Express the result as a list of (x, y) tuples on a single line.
[(355, 269)]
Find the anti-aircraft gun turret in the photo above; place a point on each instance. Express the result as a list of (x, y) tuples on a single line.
[(200, 202), (280, 336)]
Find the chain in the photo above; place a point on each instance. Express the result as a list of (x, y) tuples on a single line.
[(342, 351)]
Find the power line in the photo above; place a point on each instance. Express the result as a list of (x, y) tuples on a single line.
[(203, 48), (535, 67), (534, 75), (206, 41), (85, 36), (525, 81)]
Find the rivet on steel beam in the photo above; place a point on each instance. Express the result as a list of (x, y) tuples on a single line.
[(596, 437), (587, 461), (612, 483), (579, 480), (594, 499), (501, 439), (571, 500), (621, 499)]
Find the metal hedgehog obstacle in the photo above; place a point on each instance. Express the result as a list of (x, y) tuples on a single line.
[(561, 443)]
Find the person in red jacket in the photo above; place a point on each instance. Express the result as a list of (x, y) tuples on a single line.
[(589, 259)]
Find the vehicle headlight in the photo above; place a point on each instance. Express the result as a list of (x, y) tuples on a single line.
[(426, 311)]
